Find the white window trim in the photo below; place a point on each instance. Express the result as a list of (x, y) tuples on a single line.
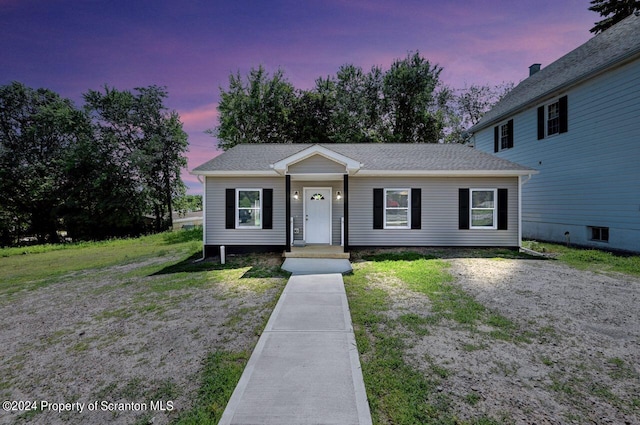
[(237, 212), (408, 226), (500, 126), (546, 118), (495, 208)]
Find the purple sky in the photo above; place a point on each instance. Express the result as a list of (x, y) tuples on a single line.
[(191, 46)]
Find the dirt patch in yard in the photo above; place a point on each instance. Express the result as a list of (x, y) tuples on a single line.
[(125, 334), (576, 358)]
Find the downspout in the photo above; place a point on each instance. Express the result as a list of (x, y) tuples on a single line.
[(520, 184), (204, 215)]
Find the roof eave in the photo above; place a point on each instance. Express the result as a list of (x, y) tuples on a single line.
[(620, 61), (235, 173), (446, 173)]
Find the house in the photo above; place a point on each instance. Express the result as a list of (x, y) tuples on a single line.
[(578, 122), (269, 197)]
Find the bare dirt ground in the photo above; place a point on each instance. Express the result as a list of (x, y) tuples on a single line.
[(579, 361), (117, 335), (121, 335)]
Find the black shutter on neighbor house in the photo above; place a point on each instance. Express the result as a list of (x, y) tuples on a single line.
[(230, 209), (267, 208), (564, 122), (503, 208), (378, 208), (416, 208), (541, 123), (510, 134), (496, 138), (463, 208)]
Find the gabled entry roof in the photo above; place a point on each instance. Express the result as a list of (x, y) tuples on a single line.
[(363, 159), (352, 166)]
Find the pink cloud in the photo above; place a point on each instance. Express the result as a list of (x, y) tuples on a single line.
[(201, 118)]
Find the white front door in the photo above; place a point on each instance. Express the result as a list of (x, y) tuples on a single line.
[(317, 211)]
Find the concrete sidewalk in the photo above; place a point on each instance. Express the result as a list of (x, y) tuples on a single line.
[(305, 368)]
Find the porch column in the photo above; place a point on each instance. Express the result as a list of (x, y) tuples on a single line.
[(345, 213), (287, 204)]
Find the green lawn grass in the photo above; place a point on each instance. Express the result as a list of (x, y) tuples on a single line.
[(589, 259), (172, 269), (399, 393), (34, 267)]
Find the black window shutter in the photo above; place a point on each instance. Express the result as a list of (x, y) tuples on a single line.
[(267, 208), (503, 209), (496, 138), (463, 208), (541, 123), (564, 122), (230, 208), (378, 208), (416, 208), (510, 133)]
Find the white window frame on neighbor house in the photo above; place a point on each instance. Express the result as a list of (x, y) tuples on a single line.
[(504, 136), (407, 208), (547, 111), (255, 209), (494, 208)]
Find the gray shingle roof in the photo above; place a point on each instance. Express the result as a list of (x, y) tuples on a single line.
[(619, 43), (374, 157)]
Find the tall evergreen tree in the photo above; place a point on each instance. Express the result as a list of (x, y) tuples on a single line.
[(613, 12)]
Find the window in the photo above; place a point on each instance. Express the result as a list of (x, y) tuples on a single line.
[(503, 136), (553, 118), (483, 208), (396, 210), (249, 202), (599, 234)]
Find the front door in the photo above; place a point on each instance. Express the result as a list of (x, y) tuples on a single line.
[(317, 211)]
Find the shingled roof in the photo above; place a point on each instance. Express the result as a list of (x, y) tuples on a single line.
[(617, 44), (374, 157)]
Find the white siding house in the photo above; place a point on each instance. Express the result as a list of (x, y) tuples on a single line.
[(577, 122), (269, 197)]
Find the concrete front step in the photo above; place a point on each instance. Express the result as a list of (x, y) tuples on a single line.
[(317, 251), (300, 266)]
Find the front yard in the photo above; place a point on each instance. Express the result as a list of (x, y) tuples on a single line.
[(445, 336), (463, 339)]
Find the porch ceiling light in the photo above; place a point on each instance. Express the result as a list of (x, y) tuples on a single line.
[(296, 195)]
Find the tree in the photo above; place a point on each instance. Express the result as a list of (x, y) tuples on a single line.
[(465, 107), (411, 100), (313, 113), (258, 111), (613, 12), (187, 203), (137, 154), (37, 130)]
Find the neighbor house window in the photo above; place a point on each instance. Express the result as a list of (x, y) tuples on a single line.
[(249, 210), (483, 208), (553, 118), (396, 211), (599, 234), (503, 136)]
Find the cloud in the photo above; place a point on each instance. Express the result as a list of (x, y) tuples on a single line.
[(200, 118)]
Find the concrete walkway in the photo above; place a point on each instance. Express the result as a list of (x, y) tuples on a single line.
[(305, 368)]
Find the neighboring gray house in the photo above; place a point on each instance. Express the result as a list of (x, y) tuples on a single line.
[(578, 122), (268, 197)]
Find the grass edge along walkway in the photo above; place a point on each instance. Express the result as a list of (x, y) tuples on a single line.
[(398, 393)]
